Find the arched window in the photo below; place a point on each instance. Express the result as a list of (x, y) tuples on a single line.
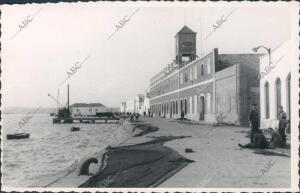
[(267, 100), (278, 95), (181, 106), (202, 70), (288, 97)]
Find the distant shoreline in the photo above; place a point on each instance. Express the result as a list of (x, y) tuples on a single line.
[(24, 110)]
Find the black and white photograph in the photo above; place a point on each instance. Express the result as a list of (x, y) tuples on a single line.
[(150, 96)]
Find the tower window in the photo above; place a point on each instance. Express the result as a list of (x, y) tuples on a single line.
[(202, 70)]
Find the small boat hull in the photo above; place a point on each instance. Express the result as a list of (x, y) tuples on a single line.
[(18, 136), (75, 128)]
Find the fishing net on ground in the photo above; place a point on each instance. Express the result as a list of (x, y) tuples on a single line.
[(142, 165)]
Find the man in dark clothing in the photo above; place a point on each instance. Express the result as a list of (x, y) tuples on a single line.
[(254, 121), (282, 123), (260, 141), (182, 115)]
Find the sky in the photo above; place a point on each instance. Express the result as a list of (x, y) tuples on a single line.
[(40, 57)]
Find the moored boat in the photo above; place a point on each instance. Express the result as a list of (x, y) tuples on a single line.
[(18, 136)]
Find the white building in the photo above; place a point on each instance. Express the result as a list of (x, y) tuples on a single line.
[(276, 79), (140, 104), (145, 106), (87, 110), (129, 106)]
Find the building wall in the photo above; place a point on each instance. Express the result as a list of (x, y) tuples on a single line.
[(86, 111), (240, 81), (145, 106), (282, 68), (194, 80), (123, 107), (130, 106), (227, 95)]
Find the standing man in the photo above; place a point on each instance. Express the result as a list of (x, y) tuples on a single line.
[(254, 121), (282, 123)]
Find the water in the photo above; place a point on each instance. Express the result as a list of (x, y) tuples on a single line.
[(51, 147)]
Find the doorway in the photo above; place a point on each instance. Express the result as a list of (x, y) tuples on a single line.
[(201, 108)]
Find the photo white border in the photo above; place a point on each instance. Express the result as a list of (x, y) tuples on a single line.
[(294, 124)]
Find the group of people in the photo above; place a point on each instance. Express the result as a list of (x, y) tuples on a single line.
[(257, 138)]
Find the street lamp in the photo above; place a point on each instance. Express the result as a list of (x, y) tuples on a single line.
[(268, 49)]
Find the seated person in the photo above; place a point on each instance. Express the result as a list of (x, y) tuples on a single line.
[(276, 139), (260, 141)]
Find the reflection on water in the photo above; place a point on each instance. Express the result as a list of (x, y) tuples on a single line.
[(51, 147)]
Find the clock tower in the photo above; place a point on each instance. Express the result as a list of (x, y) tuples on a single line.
[(185, 46)]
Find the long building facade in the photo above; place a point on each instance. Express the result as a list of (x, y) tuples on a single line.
[(275, 85), (212, 88)]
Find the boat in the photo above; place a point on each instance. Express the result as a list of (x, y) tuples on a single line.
[(18, 136), (75, 128)]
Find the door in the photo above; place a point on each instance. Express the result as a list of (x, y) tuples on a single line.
[(201, 108), (171, 109)]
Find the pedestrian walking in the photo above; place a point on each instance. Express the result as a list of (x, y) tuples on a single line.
[(282, 123), (182, 115), (254, 121)]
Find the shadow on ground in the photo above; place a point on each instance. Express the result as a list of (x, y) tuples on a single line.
[(185, 122), (270, 153)]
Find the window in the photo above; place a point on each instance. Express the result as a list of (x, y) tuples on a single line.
[(185, 58), (96, 110), (176, 106), (77, 110), (208, 66), (90, 110), (195, 72), (267, 100), (202, 70), (181, 106), (186, 78), (191, 73)]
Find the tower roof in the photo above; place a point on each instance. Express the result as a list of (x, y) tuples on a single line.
[(185, 30)]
